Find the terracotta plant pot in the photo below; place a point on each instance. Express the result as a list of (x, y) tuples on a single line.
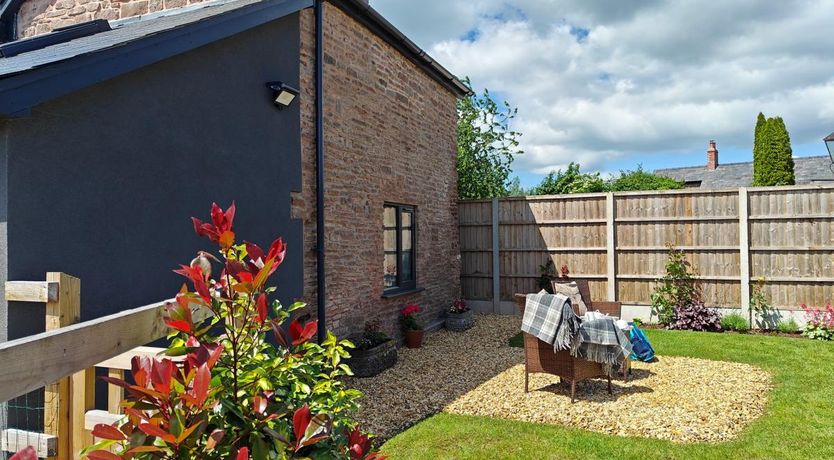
[(413, 339)]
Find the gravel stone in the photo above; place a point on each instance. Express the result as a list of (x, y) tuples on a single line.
[(476, 373)]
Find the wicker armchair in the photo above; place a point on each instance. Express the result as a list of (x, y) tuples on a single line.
[(539, 356)]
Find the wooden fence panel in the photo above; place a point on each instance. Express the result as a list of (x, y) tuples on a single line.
[(731, 237)]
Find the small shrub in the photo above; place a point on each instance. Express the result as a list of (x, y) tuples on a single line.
[(372, 337), (459, 306), (734, 322), (696, 317), (676, 289), (767, 317), (820, 324), (637, 322), (409, 320), (787, 326)]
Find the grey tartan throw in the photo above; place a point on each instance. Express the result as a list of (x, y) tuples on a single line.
[(601, 341), (550, 318)]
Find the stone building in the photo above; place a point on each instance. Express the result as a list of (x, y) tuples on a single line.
[(120, 119)]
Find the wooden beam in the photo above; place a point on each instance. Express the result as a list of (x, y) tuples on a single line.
[(94, 417), (122, 361), (31, 291), (649, 220), (115, 393), (82, 399), (61, 312), (32, 362), (46, 445)]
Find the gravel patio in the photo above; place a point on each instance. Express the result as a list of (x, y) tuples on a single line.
[(477, 373)]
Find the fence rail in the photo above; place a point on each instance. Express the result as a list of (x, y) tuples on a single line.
[(62, 360), (618, 242)]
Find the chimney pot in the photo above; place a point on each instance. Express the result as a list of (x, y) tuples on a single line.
[(712, 156)]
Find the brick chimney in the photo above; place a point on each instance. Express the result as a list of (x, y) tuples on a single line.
[(712, 156)]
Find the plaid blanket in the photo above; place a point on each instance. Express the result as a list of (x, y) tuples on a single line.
[(550, 318), (601, 341)]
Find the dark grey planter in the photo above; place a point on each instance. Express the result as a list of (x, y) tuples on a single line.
[(368, 363), (459, 322)]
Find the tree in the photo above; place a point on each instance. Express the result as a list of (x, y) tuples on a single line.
[(773, 162), (515, 188), (639, 179), (758, 137), (569, 181), (486, 146)]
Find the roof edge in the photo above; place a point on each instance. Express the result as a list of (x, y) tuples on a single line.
[(373, 20)]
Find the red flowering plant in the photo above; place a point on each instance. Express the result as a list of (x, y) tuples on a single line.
[(564, 271), (819, 323), (408, 318), (223, 390), (459, 306)]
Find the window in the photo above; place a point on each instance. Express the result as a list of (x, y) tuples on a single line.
[(400, 235)]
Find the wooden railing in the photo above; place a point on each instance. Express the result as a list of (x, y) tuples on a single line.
[(63, 360)]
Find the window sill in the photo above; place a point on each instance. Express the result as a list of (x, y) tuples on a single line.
[(401, 292)]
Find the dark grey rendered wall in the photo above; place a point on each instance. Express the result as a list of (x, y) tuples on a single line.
[(103, 181)]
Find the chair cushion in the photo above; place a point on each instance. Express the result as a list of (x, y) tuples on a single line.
[(571, 291)]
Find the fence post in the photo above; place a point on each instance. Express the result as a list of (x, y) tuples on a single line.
[(60, 312), (610, 244), (496, 261), (744, 252)]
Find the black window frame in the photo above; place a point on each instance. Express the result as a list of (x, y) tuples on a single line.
[(410, 284)]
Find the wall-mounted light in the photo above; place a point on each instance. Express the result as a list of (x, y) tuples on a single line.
[(282, 94)]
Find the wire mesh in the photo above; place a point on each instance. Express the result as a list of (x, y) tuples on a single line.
[(22, 415)]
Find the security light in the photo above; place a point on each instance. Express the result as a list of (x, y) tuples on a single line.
[(282, 94)]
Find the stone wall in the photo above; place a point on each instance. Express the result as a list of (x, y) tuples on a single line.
[(37, 17), (390, 136)]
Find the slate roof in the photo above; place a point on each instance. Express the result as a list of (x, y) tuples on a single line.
[(808, 170), (34, 77)]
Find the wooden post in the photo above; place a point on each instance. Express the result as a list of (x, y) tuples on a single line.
[(61, 311), (744, 252), (115, 394), (496, 260), (610, 243)]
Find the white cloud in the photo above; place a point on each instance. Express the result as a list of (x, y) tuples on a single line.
[(647, 77)]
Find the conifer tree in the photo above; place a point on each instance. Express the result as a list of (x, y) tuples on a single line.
[(772, 155)]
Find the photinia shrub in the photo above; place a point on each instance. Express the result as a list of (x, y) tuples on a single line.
[(222, 390), (820, 323), (677, 289), (459, 306)]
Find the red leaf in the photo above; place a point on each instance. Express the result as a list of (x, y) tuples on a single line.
[(300, 420), (108, 432), (301, 334), (201, 384), (227, 239), (179, 325), (243, 453), (27, 453), (259, 404), (214, 438), (140, 368), (153, 430), (161, 375), (278, 333), (262, 308), (103, 455)]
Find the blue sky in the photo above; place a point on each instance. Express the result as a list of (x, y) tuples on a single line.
[(615, 84)]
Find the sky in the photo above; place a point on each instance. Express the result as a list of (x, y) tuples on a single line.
[(614, 84)]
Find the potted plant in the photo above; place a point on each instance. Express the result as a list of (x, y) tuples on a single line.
[(411, 326), (374, 352), (459, 317)]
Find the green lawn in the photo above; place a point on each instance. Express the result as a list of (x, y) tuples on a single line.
[(799, 422)]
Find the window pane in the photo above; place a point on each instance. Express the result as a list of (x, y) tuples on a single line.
[(407, 240), (389, 216), (407, 218), (390, 240), (390, 278), (408, 273)]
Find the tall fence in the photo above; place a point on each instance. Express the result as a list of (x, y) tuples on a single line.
[(618, 241)]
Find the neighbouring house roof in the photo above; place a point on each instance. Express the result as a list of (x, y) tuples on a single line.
[(36, 76), (807, 170)]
